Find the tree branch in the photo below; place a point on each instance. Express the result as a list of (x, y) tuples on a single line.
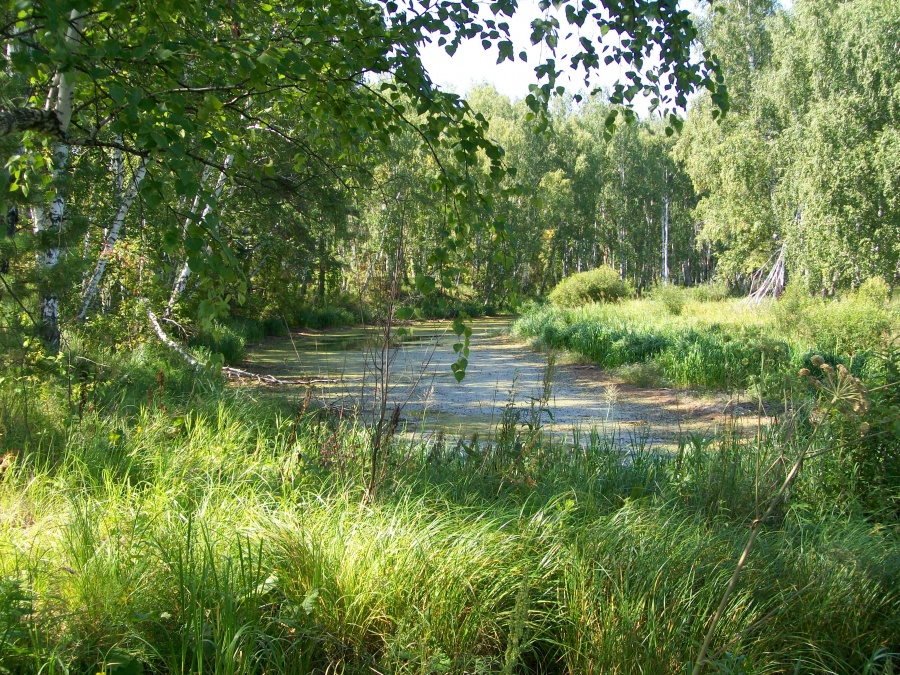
[(18, 120)]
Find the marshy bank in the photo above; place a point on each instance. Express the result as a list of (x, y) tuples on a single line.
[(171, 523)]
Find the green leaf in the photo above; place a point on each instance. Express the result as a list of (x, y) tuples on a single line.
[(425, 283)]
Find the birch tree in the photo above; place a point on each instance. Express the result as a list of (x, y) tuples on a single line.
[(48, 221), (112, 237), (184, 81), (184, 271)]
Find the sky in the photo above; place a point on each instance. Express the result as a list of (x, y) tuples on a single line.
[(473, 65)]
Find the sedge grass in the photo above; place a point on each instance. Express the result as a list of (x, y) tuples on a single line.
[(222, 539), (723, 344)]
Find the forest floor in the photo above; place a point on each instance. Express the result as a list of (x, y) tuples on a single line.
[(504, 376)]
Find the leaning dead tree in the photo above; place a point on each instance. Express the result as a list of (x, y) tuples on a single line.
[(768, 280), (227, 371)]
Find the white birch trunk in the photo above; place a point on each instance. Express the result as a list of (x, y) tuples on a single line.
[(112, 237), (665, 242), (61, 97), (185, 272), (665, 232), (169, 341)]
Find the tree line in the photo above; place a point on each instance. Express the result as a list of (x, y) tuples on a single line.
[(221, 158)]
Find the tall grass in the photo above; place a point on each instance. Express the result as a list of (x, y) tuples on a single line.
[(213, 533), (724, 344)]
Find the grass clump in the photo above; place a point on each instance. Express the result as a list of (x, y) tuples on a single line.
[(202, 530), (158, 521), (672, 297), (712, 291), (599, 285), (727, 345), (852, 325)]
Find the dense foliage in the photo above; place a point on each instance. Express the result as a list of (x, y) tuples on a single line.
[(188, 528), (599, 285), (181, 179), (807, 159)]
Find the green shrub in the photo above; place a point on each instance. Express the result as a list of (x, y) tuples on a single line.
[(600, 285), (712, 291), (275, 326), (324, 317), (672, 297), (874, 290), (227, 339), (861, 421), (231, 337), (433, 307)]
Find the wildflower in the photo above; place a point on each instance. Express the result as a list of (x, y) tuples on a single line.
[(817, 361), (804, 372), (842, 369)]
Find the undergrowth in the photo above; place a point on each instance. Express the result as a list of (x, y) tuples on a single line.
[(723, 344), (162, 523)]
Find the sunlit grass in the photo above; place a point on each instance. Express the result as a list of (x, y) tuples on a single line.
[(728, 344), (224, 540)]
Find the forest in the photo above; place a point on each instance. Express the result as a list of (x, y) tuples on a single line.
[(308, 365)]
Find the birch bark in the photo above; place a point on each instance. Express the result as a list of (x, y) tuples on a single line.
[(185, 272), (111, 238), (48, 222)]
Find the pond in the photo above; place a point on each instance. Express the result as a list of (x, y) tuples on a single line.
[(344, 368)]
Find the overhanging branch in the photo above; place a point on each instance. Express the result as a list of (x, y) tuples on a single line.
[(18, 120)]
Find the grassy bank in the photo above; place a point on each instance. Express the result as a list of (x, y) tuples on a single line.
[(723, 344), (179, 526)]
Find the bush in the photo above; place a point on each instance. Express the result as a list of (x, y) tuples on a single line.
[(672, 297), (226, 339), (863, 428), (874, 290), (275, 326), (712, 291), (324, 317), (434, 307), (230, 338), (600, 285)]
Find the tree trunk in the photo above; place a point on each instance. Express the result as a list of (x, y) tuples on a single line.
[(47, 122), (185, 271), (550, 264), (320, 290), (47, 223), (665, 241), (12, 221), (111, 238)]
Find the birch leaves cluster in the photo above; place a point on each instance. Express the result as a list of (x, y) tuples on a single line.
[(806, 163), (130, 120)]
